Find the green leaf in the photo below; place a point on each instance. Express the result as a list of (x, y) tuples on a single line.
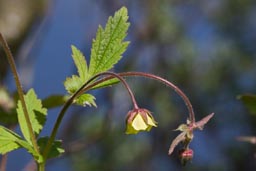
[(108, 47), (36, 112), (72, 84), (107, 50), (86, 99), (54, 101), (249, 100), (56, 149), (80, 63), (107, 83), (8, 140)]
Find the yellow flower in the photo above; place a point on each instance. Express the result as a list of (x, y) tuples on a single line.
[(139, 120)]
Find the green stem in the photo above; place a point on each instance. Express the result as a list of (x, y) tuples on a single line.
[(72, 98), (41, 167), (20, 91)]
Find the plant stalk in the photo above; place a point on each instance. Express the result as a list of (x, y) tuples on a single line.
[(3, 162), (20, 91), (151, 76), (41, 167), (72, 98), (174, 87)]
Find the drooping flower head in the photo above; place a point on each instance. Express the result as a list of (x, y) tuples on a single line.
[(186, 136), (139, 120)]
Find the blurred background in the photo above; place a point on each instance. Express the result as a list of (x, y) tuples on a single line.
[(207, 48)]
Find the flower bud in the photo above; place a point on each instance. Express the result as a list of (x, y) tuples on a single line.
[(139, 120), (185, 155)]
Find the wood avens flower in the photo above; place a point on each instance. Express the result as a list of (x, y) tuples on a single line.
[(139, 120), (186, 136)]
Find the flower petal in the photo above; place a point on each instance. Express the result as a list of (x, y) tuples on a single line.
[(138, 123), (151, 121), (149, 128), (130, 130)]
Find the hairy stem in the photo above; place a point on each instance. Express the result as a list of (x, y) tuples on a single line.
[(20, 91), (3, 162), (151, 76), (72, 98)]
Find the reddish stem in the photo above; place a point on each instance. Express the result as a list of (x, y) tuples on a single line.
[(151, 76), (76, 94)]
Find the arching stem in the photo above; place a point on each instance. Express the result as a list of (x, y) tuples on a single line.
[(72, 98), (151, 76)]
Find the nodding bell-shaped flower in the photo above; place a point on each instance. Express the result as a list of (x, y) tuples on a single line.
[(139, 120)]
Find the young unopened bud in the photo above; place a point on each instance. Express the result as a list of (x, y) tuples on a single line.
[(139, 120), (185, 155)]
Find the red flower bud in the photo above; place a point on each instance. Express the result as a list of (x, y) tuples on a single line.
[(185, 155)]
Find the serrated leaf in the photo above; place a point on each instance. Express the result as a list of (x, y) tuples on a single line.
[(80, 63), (36, 112), (7, 140), (56, 149), (86, 99), (54, 101), (108, 47), (72, 84), (10, 141), (107, 50), (249, 100)]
